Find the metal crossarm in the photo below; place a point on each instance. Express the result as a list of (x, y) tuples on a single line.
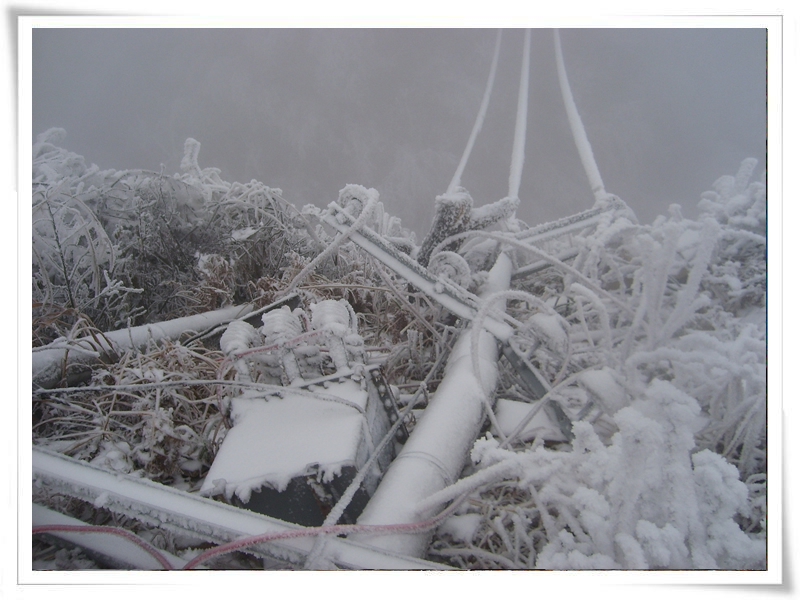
[(538, 386)]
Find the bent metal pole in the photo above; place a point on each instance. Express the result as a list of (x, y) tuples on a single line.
[(434, 455), (436, 452)]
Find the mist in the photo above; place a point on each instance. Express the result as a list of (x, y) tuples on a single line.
[(667, 111)]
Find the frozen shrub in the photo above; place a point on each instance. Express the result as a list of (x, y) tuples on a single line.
[(660, 336), (125, 248), (165, 432)]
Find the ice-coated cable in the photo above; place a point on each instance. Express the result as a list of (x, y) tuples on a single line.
[(418, 526), (476, 128), (518, 151), (151, 550), (576, 125)]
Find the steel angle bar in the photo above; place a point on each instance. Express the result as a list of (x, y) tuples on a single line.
[(565, 225), (540, 265), (455, 299), (164, 507), (538, 386)]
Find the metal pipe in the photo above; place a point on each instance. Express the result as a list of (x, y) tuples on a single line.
[(110, 549), (50, 362), (434, 455)]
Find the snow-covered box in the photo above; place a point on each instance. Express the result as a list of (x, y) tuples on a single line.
[(292, 455), (293, 450)]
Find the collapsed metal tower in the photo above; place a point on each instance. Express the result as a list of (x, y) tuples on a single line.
[(308, 383)]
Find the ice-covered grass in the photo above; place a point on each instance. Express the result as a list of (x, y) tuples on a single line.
[(122, 248)]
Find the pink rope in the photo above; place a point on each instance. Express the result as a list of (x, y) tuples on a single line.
[(327, 529), (113, 530), (255, 539)]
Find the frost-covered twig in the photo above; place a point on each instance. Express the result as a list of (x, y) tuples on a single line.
[(408, 306), (369, 198), (511, 241)]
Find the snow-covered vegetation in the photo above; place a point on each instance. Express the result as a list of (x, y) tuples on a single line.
[(652, 338)]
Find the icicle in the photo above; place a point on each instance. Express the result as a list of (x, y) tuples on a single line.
[(578, 130), (456, 182)]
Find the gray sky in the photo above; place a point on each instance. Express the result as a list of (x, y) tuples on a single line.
[(667, 111)]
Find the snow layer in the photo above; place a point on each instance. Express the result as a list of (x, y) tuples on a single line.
[(461, 527), (282, 438)]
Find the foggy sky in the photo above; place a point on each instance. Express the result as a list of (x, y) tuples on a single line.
[(667, 111)]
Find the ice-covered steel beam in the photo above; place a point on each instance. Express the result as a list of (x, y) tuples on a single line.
[(565, 225), (540, 265), (437, 449), (161, 506)]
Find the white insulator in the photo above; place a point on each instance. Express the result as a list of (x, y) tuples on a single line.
[(451, 266), (280, 325), (290, 366), (353, 198), (239, 336), (331, 315), (353, 206), (354, 344)]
